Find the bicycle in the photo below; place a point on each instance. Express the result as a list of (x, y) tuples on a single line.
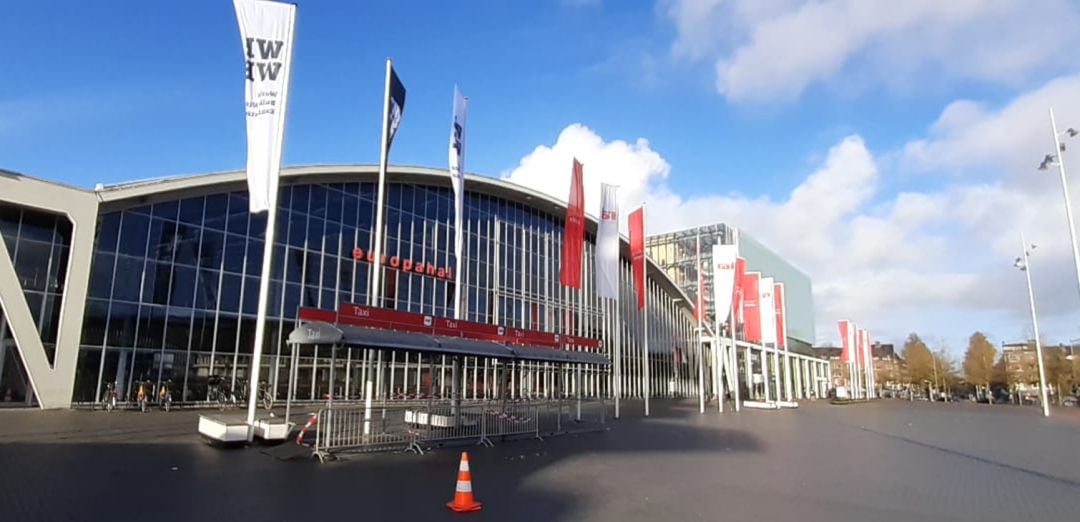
[(141, 396), (165, 395), (108, 401)]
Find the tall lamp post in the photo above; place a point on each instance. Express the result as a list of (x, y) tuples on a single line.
[(1058, 158), (1023, 263)]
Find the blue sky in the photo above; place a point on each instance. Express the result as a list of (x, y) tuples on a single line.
[(883, 148)]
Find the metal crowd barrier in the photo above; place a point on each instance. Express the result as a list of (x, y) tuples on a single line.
[(419, 427)]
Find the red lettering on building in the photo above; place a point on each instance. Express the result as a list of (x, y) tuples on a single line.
[(407, 265)]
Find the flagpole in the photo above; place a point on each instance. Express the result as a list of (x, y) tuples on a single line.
[(459, 201), (782, 334), (645, 311), (265, 276), (701, 344), (376, 266)]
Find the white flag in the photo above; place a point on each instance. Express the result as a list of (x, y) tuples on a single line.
[(723, 258), (767, 308), (457, 178), (266, 30), (607, 244)]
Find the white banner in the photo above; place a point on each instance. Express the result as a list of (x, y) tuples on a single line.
[(457, 178), (723, 273), (266, 30), (767, 310), (607, 244)]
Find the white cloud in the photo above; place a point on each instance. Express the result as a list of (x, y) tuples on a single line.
[(775, 50), (936, 262)]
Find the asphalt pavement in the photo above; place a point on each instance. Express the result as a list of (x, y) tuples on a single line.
[(889, 460)]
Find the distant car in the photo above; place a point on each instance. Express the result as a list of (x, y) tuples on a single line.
[(1069, 401)]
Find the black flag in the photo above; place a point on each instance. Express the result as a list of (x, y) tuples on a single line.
[(396, 107)]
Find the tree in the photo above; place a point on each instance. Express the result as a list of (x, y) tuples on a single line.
[(1058, 370), (979, 362), (945, 372), (919, 362)]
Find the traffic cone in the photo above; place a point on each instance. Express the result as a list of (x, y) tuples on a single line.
[(463, 497)]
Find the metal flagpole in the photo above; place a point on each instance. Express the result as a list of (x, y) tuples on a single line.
[(733, 369), (700, 340), (645, 313), (376, 266), (264, 280)]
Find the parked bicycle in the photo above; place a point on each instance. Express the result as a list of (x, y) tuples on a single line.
[(165, 395), (142, 394), (108, 399)]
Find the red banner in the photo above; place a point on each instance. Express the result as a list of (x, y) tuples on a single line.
[(737, 295), (778, 300), (751, 307), (369, 317), (574, 231), (860, 342), (845, 341), (637, 253)]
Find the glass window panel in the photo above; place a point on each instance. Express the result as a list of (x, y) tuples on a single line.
[(191, 210), (32, 264), (182, 286), (217, 208), (108, 232), (165, 210), (151, 327), (234, 253), (187, 245), (127, 286), (257, 227), (230, 293), (300, 195), (156, 282), (254, 261), (226, 333), (238, 214), (318, 201), (122, 320), (334, 205), (206, 289), (101, 273), (297, 229), (211, 248), (292, 300), (37, 225), (133, 232), (251, 295), (178, 329)]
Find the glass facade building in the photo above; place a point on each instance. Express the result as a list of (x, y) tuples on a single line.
[(676, 254), (174, 265)]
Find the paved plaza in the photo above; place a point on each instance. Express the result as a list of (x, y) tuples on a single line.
[(891, 460)]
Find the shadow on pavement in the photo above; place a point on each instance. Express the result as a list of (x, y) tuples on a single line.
[(94, 480)]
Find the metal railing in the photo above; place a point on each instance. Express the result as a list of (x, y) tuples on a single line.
[(417, 428)]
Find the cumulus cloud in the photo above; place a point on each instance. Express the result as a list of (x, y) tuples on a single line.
[(937, 262), (774, 50)]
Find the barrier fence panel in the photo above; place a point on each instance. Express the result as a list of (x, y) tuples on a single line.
[(422, 426)]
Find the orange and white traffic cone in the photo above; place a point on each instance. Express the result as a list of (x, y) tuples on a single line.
[(463, 497)]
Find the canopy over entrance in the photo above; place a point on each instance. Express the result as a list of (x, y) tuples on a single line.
[(320, 332)]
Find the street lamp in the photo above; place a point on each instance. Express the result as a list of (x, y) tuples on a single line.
[(1024, 264), (1058, 157)]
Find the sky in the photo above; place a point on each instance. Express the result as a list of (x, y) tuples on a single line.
[(887, 149)]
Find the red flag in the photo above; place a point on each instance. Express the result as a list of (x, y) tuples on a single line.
[(574, 231), (751, 307), (778, 298), (860, 344), (845, 341), (637, 252), (737, 296)]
